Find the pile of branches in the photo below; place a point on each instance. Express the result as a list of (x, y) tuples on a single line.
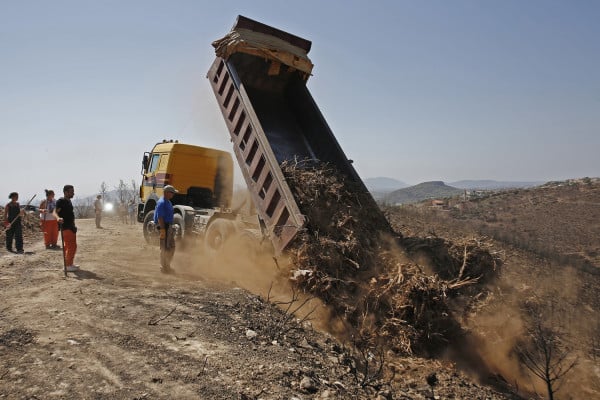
[(348, 256), (342, 235), (30, 221), (411, 310), (465, 259)]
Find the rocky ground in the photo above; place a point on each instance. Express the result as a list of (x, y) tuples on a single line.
[(119, 329)]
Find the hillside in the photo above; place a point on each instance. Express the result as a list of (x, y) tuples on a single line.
[(560, 220), (549, 240), (422, 191), (488, 184)]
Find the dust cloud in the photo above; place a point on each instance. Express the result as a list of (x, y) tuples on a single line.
[(233, 266), (492, 322), (254, 269), (495, 330)]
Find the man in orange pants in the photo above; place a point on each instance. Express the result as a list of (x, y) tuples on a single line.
[(65, 216)]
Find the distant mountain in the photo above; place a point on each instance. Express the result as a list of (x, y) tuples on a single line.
[(492, 185), (383, 184), (422, 191)]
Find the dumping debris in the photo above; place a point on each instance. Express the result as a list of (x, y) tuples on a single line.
[(349, 257)]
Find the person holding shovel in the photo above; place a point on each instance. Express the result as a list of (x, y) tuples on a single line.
[(12, 222), (163, 218), (48, 221), (65, 215)]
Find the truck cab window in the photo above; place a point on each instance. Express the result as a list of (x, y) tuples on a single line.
[(153, 163)]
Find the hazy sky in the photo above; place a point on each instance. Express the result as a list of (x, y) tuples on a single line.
[(413, 90)]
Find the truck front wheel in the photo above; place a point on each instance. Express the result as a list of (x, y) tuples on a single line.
[(217, 233), (149, 228)]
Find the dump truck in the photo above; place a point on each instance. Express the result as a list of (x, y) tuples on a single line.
[(259, 79), (204, 178)]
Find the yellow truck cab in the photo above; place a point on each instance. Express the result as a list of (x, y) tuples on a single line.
[(203, 177)]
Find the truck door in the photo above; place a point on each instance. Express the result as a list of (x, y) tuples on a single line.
[(150, 173)]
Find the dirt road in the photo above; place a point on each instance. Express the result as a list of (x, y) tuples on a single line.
[(119, 329)]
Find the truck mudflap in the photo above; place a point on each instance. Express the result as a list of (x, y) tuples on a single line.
[(260, 86)]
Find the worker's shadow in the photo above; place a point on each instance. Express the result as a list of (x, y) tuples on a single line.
[(81, 274)]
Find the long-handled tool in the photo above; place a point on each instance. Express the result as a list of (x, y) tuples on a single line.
[(62, 242)]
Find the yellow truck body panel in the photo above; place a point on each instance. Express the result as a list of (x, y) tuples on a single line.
[(189, 169)]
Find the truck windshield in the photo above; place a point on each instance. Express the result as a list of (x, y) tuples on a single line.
[(153, 163)]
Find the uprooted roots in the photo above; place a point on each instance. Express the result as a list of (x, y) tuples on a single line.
[(350, 258)]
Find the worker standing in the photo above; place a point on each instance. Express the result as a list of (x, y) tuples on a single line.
[(98, 210), (48, 221), (163, 218), (65, 215), (131, 208), (12, 222)]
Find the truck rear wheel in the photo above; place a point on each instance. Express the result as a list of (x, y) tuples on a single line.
[(149, 229), (179, 232), (217, 233)]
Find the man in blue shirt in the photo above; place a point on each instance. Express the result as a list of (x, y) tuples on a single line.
[(163, 218)]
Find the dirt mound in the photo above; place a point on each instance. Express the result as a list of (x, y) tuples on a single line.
[(30, 222), (351, 259)]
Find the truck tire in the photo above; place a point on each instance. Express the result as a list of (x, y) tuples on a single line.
[(217, 233), (179, 232), (149, 229)]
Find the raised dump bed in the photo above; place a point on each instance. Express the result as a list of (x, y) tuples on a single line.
[(259, 79)]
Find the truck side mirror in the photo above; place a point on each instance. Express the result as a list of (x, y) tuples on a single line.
[(145, 163)]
